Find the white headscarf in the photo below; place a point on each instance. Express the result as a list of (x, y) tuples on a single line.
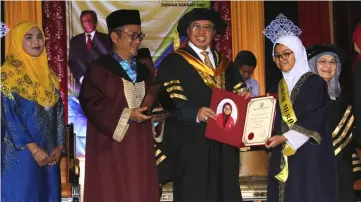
[(301, 65)]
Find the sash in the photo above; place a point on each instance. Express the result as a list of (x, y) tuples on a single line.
[(289, 117), (204, 71)]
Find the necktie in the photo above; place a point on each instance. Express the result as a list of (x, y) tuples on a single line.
[(89, 42), (207, 61)]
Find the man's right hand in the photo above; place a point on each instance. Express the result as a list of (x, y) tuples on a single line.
[(137, 115), (205, 113)]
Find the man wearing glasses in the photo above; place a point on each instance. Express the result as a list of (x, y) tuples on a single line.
[(120, 161), (203, 169)]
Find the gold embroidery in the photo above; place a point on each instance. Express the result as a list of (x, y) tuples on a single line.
[(355, 162), (238, 85), (134, 93), (196, 63), (160, 159), (209, 76), (122, 125), (175, 88), (356, 169), (313, 134), (343, 145), (344, 132), (342, 122), (179, 96), (157, 152), (239, 91), (171, 82), (217, 56)]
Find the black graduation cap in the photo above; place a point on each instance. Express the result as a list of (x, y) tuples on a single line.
[(201, 14), (321, 48), (122, 17)]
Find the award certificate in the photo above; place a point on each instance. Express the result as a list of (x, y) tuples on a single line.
[(259, 120)]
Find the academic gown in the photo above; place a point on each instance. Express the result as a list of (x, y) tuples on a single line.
[(340, 124), (120, 161), (203, 169), (312, 169)]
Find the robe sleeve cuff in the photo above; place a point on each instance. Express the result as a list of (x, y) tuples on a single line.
[(239, 88), (316, 137), (122, 126), (158, 138), (295, 139)]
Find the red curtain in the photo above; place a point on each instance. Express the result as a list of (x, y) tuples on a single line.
[(54, 25), (223, 42), (314, 21)]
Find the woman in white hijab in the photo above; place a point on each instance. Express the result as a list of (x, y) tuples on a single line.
[(302, 166), (326, 61)]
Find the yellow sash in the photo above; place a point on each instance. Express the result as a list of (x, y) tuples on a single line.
[(205, 72), (289, 117)]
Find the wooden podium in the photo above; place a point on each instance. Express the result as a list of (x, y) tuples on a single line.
[(69, 168)]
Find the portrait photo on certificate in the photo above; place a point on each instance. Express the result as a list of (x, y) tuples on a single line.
[(227, 114)]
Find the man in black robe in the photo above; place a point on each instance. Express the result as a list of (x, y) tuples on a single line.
[(202, 169)]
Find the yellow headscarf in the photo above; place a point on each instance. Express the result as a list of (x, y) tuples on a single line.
[(31, 78)]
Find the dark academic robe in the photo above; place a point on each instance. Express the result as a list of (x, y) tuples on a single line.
[(357, 98), (340, 124), (203, 170), (312, 169), (80, 57), (120, 162)]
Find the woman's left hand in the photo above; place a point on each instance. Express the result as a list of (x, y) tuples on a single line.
[(274, 141), (55, 155)]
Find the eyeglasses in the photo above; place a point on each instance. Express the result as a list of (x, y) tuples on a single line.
[(325, 62), (199, 27), (134, 35), (284, 55)]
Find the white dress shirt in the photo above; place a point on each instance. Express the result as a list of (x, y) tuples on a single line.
[(92, 36)]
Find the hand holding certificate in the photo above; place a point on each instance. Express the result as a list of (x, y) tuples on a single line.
[(241, 122)]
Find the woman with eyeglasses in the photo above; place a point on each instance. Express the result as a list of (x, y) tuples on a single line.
[(302, 165), (326, 61)]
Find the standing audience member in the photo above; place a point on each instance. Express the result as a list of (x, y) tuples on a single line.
[(32, 120)]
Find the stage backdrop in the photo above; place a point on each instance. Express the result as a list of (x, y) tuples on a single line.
[(158, 23)]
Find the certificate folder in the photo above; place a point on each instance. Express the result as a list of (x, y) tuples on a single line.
[(241, 122)]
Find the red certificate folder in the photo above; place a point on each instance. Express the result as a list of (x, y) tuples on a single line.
[(231, 110)]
